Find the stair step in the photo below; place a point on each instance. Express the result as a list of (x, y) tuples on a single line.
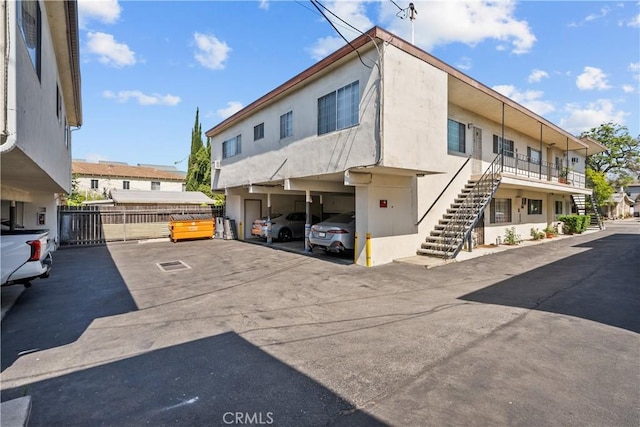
[(431, 252), (438, 247)]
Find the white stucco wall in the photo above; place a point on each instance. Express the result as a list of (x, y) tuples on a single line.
[(415, 114), (305, 153), (39, 131), (84, 184)]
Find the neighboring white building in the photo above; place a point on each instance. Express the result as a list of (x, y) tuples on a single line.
[(102, 177), (41, 101), (396, 134)]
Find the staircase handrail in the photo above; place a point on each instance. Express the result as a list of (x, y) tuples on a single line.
[(443, 190), (485, 186), (595, 205)]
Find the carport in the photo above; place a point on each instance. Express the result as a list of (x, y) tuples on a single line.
[(319, 196)]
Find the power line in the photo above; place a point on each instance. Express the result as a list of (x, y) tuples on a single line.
[(313, 2)]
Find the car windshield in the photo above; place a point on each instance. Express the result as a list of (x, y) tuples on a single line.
[(343, 218)]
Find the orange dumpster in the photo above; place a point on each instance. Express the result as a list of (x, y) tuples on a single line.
[(191, 226)]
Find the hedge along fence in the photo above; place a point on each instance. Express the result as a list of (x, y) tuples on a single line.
[(574, 223)]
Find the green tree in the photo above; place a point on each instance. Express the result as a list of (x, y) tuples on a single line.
[(199, 171), (622, 156), (601, 186), (196, 139), (76, 197)]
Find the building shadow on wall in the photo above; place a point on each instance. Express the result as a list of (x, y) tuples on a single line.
[(609, 295), (84, 285), (220, 380)]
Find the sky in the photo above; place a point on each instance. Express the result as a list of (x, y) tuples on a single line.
[(148, 65)]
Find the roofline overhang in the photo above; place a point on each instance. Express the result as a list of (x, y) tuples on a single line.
[(388, 38), (63, 21)]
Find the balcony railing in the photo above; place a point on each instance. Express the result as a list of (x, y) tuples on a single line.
[(521, 165)]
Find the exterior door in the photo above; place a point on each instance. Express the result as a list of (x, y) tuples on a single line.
[(476, 167), (252, 211)]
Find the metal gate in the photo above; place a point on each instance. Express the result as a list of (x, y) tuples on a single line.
[(97, 225)]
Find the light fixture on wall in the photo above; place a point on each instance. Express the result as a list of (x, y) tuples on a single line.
[(470, 125)]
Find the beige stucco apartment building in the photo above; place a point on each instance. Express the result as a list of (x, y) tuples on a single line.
[(101, 177), (41, 102), (397, 135)]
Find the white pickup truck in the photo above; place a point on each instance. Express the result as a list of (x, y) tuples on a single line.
[(25, 256)]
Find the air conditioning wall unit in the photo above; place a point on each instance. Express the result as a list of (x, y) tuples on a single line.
[(216, 164)]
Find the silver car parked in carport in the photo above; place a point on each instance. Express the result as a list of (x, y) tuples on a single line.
[(335, 234)]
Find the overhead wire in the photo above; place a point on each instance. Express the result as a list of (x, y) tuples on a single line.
[(313, 2)]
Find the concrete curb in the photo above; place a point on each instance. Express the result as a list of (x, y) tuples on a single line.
[(16, 412)]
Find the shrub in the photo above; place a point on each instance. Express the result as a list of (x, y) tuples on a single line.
[(550, 230), (511, 238), (537, 234), (574, 223)]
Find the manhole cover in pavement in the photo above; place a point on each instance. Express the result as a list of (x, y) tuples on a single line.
[(172, 265)]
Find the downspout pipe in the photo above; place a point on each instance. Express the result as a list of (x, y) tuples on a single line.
[(8, 138)]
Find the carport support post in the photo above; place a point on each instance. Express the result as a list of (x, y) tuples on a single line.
[(269, 238), (307, 225)]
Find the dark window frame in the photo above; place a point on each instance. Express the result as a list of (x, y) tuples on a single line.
[(339, 109), (31, 31), (232, 147), (505, 214), (456, 143), (534, 206), (508, 145), (286, 125), (258, 132)]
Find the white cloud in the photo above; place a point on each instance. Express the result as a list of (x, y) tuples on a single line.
[(469, 21), (324, 46), (603, 12), (582, 118), (628, 88), (592, 78), (464, 63), (264, 4), (142, 98), (353, 12), (109, 51), (634, 66), (537, 75), (105, 11), (531, 99), (232, 108), (211, 53), (634, 22)]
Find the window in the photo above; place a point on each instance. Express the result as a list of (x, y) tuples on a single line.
[(558, 163), (534, 156), (232, 147), (499, 144), (286, 125), (258, 132), (94, 184), (500, 211), (456, 136), (558, 207), (155, 185), (125, 185), (534, 207), (340, 109), (30, 24)]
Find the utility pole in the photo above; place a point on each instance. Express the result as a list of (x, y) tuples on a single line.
[(412, 16)]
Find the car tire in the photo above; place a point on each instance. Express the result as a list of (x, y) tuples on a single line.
[(284, 235)]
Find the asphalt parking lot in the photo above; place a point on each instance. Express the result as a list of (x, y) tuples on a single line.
[(230, 333)]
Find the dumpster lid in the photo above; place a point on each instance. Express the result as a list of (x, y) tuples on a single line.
[(190, 217)]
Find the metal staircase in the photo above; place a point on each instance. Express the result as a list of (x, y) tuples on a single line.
[(588, 205), (455, 227)]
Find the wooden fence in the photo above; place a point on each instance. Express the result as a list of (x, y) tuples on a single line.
[(97, 225)]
